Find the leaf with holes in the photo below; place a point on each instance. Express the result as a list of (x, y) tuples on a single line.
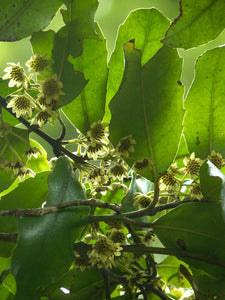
[(147, 27)]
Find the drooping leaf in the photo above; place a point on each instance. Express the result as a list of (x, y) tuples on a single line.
[(196, 228), (149, 107), (89, 106), (147, 27), (204, 126), (45, 246), (19, 19), (211, 181), (198, 23), (29, 194)]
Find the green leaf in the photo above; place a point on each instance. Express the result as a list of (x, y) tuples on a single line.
[(147, 27), (211, 181), (43, 42), (88, 285), (140, 185), (204, 126), (93, 63), (5, 90), (208, 288), (41, 162), (45, 245), (19, 19), (168, 269), (149, 107), (197, 228), (198, 23), (79, 19), (29, 194)]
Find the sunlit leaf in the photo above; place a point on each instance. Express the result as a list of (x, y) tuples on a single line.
[(204, 126), (45, 246), (198, 23), (197, 228), (147, 27), (19, 19), (93, 63), (149, 107)]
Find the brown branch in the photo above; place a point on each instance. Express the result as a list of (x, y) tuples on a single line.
[(50, 209)]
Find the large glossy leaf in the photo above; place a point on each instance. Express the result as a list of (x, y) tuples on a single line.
[(79, 19), (204, 126), (147, 27), (93, 63), (149, 107), (198, 23), (29, 194), (45, 246), (196, 228), (19, 19)]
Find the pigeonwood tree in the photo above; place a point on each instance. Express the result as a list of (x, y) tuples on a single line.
[(129, 202)]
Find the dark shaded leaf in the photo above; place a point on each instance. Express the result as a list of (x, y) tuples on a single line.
[(19, 19), (198, 23), (204, 125), (29, 194), (149, 107), (45, 245), (196, 228)]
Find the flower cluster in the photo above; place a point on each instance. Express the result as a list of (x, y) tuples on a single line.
[(104, 253), (36, 96)]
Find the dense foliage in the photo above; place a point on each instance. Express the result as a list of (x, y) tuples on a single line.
[(129, 203)]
